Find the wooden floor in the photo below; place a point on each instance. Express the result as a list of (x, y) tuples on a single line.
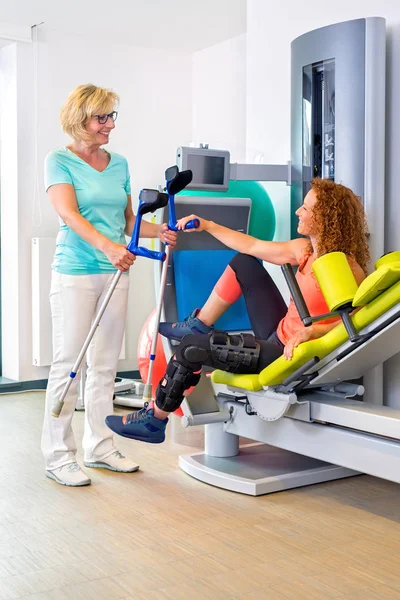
[(159, 534)]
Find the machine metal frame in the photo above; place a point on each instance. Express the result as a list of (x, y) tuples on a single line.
[(322, 422)]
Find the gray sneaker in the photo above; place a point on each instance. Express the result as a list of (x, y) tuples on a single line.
[(115, 462), (70, 474)]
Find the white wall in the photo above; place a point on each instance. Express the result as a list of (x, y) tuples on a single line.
[(220, 117), (155, 117), (9, 207), (271, 27), (219, 97)]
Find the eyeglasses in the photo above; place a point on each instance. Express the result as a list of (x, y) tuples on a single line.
[(102, 119)]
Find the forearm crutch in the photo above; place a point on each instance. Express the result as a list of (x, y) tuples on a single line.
[(149, 201), (176, 182)]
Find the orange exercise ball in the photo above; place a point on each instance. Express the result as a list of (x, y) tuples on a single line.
[(143, 353)]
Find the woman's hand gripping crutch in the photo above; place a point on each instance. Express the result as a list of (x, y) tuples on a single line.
[(149, 201), (176, 182)]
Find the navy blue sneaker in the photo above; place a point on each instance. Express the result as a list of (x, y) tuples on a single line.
[(177, 331), (141, 425)]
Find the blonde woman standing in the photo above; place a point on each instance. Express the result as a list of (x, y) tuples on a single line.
[(90, 190)]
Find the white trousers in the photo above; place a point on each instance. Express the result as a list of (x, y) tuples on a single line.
[(75, 300)]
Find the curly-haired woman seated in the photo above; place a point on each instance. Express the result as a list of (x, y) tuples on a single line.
[(332, 219)]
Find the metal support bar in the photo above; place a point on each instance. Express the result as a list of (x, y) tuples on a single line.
[(345, 388), (248, 172), (296, 294), (351, 330), (206, 419), (299, 375)]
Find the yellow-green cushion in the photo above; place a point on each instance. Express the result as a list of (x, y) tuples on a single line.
[(390, 257), (245, 382), (376, 283), (280, 369)]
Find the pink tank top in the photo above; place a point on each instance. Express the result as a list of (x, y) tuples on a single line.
[(314, 299)]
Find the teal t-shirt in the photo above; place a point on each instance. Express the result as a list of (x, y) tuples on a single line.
[(102, 199)]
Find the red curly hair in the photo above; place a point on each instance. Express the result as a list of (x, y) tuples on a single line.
[(341, 221)]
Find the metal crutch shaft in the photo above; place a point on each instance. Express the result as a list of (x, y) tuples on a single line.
[(176, 182), (147, 393), (57, 407)]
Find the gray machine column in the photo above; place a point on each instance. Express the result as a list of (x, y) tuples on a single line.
[(338, 125), (338, 115), (219, 443)]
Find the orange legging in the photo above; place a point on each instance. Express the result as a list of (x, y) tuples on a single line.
[(227, 286)]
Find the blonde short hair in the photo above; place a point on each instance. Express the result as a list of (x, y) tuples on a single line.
[(82, 103)]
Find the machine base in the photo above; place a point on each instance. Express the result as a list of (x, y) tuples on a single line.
[(263, 469), (123, 385), (129, 400)]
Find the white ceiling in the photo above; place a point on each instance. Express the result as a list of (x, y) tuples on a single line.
[(186, 25)]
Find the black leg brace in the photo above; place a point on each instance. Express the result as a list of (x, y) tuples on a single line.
[(233, 353), (176, 380)]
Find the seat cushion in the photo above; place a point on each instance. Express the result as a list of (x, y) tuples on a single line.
[(280, 369), (389, 257), (245, 382), (376, 283)]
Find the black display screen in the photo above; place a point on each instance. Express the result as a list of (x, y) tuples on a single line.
[(207, 170)]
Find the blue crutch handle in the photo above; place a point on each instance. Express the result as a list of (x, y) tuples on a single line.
[(140, 250), (193, 224), (146, 253)]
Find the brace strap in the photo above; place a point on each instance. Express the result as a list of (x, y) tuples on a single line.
[(235, 353)]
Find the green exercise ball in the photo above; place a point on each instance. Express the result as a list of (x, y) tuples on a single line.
[(262, 216)]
